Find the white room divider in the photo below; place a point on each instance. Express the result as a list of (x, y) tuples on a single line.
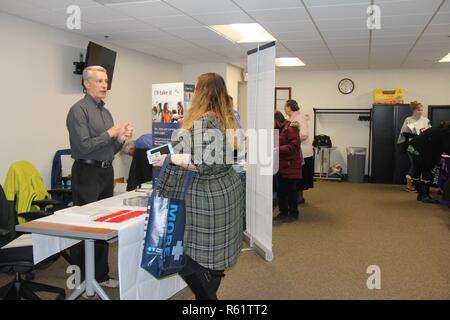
[(261, 90)]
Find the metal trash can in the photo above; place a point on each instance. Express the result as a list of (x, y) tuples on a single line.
[(356, 164)]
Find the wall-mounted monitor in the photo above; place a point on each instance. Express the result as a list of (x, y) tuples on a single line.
[(97, 55)]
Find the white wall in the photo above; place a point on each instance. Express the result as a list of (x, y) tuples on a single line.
[(231, 75), (318, 89), (38, 87), (234, 76), (191, 72)]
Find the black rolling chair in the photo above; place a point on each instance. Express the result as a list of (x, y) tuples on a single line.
[(19, 260)]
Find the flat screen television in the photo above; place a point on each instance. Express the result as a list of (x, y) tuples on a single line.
[(97, 55)]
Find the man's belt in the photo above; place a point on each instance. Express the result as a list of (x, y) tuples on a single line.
[(103, 164)]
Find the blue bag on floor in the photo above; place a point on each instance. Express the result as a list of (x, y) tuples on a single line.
[(163, 252)]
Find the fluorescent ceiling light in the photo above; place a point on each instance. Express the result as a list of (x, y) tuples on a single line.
[(243, 32), (446, 58), (288, 62)]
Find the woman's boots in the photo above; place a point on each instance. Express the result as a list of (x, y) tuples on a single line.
[(410, 184), (423, 192)]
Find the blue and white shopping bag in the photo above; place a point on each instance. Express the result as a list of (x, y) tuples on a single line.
[(163, 252)]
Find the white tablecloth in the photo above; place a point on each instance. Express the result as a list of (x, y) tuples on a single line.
[(135, 282)]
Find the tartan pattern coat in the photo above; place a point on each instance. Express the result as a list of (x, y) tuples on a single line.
[(214, 202)]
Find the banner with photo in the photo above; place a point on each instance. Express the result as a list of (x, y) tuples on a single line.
[(170, 103)]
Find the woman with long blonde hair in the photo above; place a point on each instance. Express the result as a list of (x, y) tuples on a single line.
[(215, 201)]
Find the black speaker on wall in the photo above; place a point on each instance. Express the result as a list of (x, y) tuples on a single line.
[(389, 164)]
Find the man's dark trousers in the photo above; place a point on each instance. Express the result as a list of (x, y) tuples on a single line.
[(90, 183)]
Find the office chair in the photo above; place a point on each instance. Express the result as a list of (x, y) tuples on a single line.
[(19, 260), (24, 186), (61, 185)]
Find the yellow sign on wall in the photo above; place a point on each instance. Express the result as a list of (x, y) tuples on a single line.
[(388, 96)]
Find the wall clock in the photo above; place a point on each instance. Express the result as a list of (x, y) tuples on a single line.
[(346, 86)]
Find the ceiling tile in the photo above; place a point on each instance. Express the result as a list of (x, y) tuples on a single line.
[(203, 6), (341, 11), (327, 3), (288, 26), (307, 37), (223, 18), (441, 18), (349, 51), (348, 42), (172, 22), (393, 39), (145, 9), (424, 44), (398, 32), (289, 14), (132, 36), (407, 20), (118, 26), (439, 29), (400, 7), (98, 14), (311, 45), (445, 7), (37, 14), (201, 35), (61, 4), (342, 24), (267, 4), (344, 33)]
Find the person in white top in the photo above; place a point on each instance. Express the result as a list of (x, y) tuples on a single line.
[(412, 127), (292, 110)]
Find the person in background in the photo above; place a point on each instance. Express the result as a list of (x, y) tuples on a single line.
[(128, 148), (426, 150), (180, 108), (412, 127), (235, 113), (215, 202), (290, 168), (154, 113), (94, 140), (166, 114), (238, 156), (292, 110)]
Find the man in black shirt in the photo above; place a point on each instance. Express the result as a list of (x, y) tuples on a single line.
[(94, 140)]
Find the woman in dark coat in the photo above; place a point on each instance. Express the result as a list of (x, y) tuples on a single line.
[(290, 168)]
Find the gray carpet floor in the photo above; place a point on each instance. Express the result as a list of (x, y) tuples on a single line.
[(342, 230)]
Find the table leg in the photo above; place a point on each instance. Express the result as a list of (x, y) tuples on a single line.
[(77, 292), (90, 285), (321, 162), (329, 162)]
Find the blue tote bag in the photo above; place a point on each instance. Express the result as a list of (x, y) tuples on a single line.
[(163, 252)]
